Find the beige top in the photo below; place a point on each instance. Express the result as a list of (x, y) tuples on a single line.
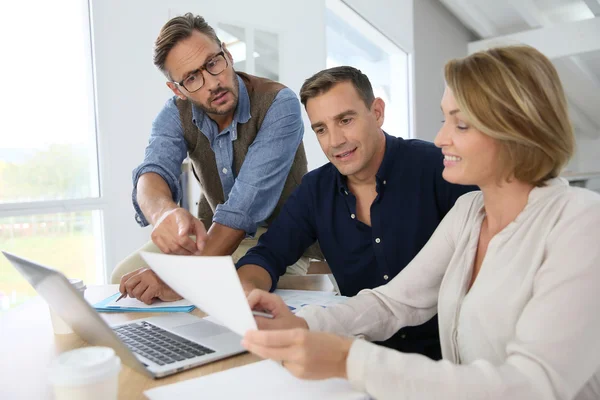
[(528, 329)]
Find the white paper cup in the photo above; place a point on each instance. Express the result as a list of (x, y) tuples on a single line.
[(60, 327), (88, 373)]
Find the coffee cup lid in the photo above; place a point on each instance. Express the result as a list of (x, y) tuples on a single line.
[(83, 366), (77, 283)]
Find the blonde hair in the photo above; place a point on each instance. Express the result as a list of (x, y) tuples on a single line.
[(514, 95)]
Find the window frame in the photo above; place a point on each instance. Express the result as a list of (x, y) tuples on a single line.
[(378, 37)]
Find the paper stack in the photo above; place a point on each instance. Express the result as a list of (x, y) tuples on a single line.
[(263, 380)]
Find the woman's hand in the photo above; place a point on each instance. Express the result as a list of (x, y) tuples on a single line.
[(307, 355), (259, 300)]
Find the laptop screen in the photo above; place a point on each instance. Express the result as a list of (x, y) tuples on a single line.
[(66, 301)]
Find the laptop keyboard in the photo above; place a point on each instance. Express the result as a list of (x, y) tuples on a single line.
[(157, 344)]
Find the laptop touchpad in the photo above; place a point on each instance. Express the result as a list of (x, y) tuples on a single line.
[(200, 329)]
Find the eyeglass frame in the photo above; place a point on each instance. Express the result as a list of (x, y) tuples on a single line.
[(203, 68)]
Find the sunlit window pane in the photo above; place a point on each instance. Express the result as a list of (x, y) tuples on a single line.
[(267, 45), (266, 49), (68, 242), (352, 41), (48, 140)]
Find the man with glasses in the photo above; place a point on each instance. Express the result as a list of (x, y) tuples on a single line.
[(243, 135)]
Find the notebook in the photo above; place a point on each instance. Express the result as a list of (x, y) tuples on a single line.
[(263, 380), (129, 304)]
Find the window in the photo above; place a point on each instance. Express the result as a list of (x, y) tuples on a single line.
[(244, 41), (353, 41), (50, 197), (66, 241)]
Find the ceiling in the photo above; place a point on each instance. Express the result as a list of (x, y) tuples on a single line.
[(580, 73)]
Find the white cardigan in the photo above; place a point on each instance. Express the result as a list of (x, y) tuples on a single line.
[(528, 329)]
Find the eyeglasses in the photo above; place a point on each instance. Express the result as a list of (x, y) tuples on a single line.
[(195, 79)]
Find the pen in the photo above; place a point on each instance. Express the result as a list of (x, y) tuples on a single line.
[(121, 296), (262, 314)]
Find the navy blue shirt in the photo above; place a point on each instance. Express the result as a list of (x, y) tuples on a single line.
[(412, 200)]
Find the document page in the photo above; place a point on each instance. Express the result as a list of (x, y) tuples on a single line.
[(263, 380), (210, 283)]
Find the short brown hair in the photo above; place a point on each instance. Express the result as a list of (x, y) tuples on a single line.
[(324, 80), (176, 30), (514, 95)]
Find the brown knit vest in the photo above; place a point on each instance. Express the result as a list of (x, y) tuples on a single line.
[(262, 92)]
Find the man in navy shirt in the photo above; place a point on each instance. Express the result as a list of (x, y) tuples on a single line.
[(372, 208)]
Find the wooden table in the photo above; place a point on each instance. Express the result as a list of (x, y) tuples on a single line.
[(28, 346)]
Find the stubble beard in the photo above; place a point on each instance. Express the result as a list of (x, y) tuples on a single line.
[(220, 111)]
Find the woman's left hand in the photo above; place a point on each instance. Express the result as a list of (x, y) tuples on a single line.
[(307, 355)]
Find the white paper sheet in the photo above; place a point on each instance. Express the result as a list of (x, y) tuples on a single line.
[(132, 302), (210, 283), (263, 380)]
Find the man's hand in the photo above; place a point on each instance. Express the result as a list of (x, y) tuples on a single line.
[(259, 300), (172, 232), (307, 355), (145, 285)]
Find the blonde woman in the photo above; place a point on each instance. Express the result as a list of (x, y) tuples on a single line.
[(513, 271)]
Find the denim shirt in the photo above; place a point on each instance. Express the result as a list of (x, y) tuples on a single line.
[(250, 197)]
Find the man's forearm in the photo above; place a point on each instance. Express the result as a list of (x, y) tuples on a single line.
[(154, 196), (222, 240), (254, 277)]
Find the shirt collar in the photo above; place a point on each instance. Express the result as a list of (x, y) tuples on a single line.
[(551, 188), (382, 173), (240, 116)]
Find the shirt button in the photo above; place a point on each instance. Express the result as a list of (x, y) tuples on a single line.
[(384, 182), (224, 170), (377, 240), (386, 277), (403, 336), (352, 216), (346, 192)]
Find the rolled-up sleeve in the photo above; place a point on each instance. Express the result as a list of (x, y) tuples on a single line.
[(260, 181), (164, 154)]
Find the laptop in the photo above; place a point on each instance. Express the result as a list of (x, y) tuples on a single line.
[(154, 346)]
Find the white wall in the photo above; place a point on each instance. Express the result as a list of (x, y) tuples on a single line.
[(438, 37), (130, 91), (393, 18), (588, 159)]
